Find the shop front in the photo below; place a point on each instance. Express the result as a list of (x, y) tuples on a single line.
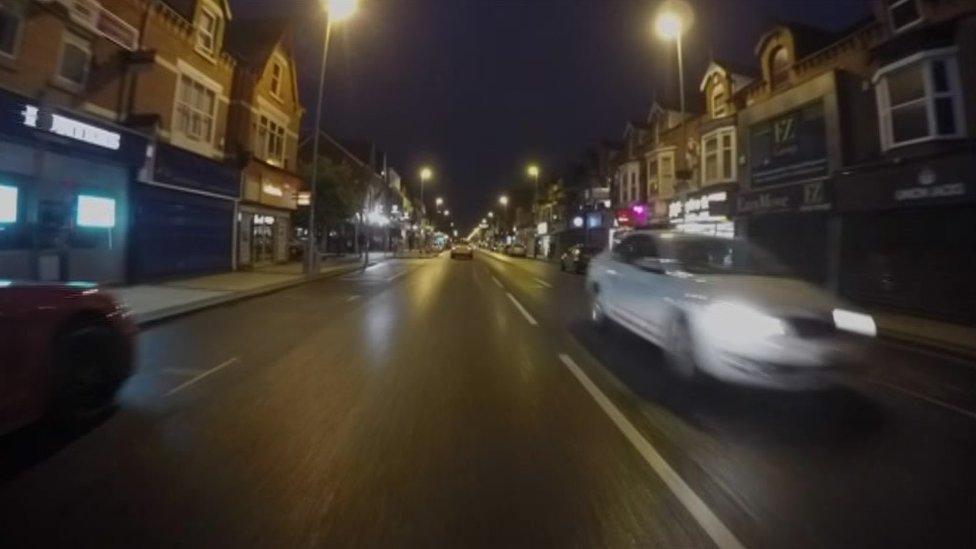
[(706, 211), (184, 213), (910, 234), (787, 208), (64, 193), (264, 220)]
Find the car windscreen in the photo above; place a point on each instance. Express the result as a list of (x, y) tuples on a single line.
[(722, 256)]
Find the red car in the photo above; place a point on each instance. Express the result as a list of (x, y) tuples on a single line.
[(65, 349)]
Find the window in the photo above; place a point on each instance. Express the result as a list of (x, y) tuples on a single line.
[(8, 204), (779, 67), (633, 185), (95, 211), (75, 60), (652, 182), (920, 101), (276, 73), (195, 109), (903, 14), (719, 100), (271, 141), (208, 25), (718, 154), (11, 23)]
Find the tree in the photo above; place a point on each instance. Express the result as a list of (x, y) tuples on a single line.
[(338, 195)]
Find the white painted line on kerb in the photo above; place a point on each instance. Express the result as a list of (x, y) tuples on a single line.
[(496, 281), (213, 370), (521, 309), (930, 400), (710, 523), (543, 282)]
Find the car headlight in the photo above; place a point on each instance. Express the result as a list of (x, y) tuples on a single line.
[(858, 323), (736, 323)]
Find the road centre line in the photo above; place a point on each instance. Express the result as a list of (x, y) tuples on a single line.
[(396, 276), (352, 298), (930, 400), (497, 282), (213, 370), (180, 371), (543, 282), (521, 309), (706, 518)]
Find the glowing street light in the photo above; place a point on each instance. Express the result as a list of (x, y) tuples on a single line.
[(439, 201), (336, 11), (503, 200), (491, 214), (672, 21), (447, 213)]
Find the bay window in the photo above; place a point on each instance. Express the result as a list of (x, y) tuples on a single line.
[(718, 156), (919, 99)]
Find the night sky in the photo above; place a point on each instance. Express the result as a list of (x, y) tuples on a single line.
[(478, 88)]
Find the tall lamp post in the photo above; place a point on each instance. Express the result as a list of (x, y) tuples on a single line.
[(503, 200), (425, 174), (670, 25), (336, 11), (533, 171)]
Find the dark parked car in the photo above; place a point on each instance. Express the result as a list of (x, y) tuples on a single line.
[(516, 250), (577, 258), (65, 350)]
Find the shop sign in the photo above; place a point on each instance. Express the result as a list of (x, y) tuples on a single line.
[(264, 219), (304, 198), (272, 189), (176, 166), (707, 207), (71, 128), (927, 188), (806, 197), (790, 147), (542, 228)]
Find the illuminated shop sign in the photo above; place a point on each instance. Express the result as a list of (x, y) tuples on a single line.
[(272, 189), (264, 220), (71, 128), (8, 204), (709, 207), (96, 211)]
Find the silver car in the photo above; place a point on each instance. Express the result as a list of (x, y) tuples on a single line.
[(726, 308)]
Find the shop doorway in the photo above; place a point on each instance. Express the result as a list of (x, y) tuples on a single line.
[(262, 239)]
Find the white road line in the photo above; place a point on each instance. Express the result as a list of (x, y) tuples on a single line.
[(213, 370), (522, 309), (706, 518), (352, 298), (396, 276), (180, 371), (926, 398), (497, 282), (543, 282)]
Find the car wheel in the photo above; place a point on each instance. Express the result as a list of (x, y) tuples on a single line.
[(597, 315), (681, 348), (89, 366)]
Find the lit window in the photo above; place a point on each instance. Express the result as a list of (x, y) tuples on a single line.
[(207, 26), (11, 23), (718, 154), (195, 110), (8, 204), (779, 67), (276, 73), (920, 101), (903, 14), (75, 60), (96, 211), (271, 141)]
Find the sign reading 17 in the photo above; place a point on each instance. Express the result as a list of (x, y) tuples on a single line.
[(784, 130)]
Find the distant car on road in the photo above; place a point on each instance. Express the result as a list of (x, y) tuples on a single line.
[(724, 307), (65, 350), (516, 250), (577, 258), (462, 249)]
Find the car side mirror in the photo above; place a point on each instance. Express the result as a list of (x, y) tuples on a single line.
[(650, 264)]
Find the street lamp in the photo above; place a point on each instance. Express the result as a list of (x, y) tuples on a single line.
[(491, 214), (673, 20), (503, 200), (447, 213), (533, 171), (439, 201), (337, 11)]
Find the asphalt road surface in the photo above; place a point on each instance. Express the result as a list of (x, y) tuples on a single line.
[(440, 403)]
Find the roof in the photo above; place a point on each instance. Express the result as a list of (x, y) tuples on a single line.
[(186, 7), (807, 39), (739, 74), (252, 41)]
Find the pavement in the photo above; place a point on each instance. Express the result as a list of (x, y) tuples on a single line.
[(456, 403), (154, 302)]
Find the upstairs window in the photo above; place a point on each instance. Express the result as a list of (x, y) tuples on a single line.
[(903, 14), (75, 60), (196, 108), (208, 25), (920, 101), (11, 23), (718, 153), (779, 67), (277, 71), (719, 100), (271, 141)]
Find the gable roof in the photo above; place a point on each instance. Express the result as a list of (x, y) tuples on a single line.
[(252, 41), (186, 7), (739, 74)]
